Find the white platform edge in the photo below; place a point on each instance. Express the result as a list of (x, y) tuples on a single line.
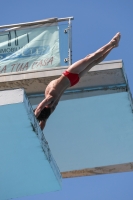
[(57, 71)]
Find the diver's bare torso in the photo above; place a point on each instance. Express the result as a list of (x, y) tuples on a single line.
[(56, 87)]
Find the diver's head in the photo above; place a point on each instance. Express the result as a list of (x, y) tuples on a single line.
[(44, 115)]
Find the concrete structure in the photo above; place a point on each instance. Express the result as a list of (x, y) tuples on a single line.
[(98, 122), (99, 140), (27, 166)]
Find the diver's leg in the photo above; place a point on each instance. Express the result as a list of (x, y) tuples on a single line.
[(95, 62), (80, 65)]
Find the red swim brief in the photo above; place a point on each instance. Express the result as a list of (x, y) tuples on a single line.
[(73, 78)]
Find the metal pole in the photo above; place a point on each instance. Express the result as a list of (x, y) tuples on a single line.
[(70, 42)]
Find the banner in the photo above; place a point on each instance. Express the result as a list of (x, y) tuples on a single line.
[(32, 48)]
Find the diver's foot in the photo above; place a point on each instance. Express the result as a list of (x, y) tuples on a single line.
[(115, 40)]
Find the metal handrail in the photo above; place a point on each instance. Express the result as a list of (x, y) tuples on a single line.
[(44, 21)]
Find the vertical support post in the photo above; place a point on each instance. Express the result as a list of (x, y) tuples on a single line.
[(70, 42)]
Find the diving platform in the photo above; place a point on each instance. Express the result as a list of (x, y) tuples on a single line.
[(27, 166), (91, 131)]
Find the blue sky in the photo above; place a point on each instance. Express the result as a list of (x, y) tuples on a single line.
[(95, 22)]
